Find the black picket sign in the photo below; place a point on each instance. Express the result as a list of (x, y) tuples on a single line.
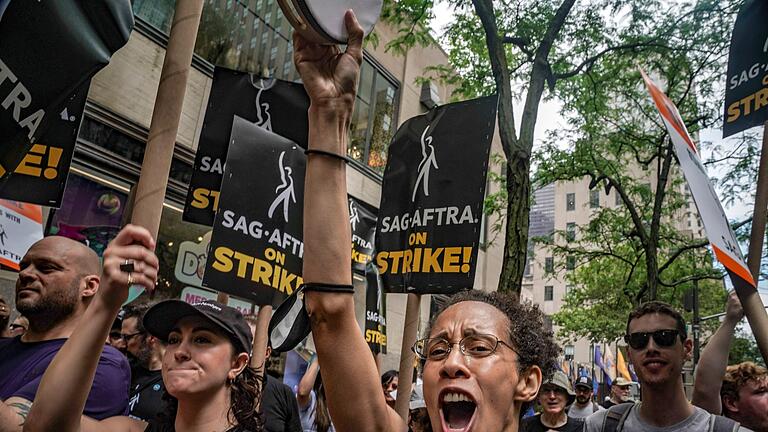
[(48, 49), (362, 219), (746, 91), (432, 199), (375, 310), (256, 246), (41, 176), (275, 105)]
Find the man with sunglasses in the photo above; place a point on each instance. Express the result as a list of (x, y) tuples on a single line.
[(57, 281), (658, 348), (145, 353)]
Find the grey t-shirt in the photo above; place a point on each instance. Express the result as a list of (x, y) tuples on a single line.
[(576, 412), (698, 421)]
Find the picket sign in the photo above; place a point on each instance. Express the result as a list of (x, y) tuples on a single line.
[(716, 225)]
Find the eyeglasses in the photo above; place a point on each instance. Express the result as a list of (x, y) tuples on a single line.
[(662, 338), (437, 349), (127, 337)]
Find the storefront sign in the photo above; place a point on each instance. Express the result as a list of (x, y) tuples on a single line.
[(256, 248), (195, 295), (432, 199), (21, 225), (362, 219), (48, 49), (41, 175), (716, 224), (375, 311), (275, 105), (190, 261), (746, 91)]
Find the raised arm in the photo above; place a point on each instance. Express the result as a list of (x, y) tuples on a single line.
[(66, 383), (714, 359), (350, 377), (307, 383)]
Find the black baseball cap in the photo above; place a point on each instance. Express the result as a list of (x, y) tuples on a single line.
[(583, 381), (161, 318)]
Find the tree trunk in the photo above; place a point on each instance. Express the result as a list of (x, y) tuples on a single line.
[(518, 211)]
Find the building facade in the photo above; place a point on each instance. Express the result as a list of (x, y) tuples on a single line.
[(246, 35)]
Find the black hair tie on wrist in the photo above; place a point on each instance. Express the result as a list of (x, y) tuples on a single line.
[(327, 153), (290, 322)]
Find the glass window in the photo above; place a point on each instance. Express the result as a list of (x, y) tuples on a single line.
[(594, 198), (549, 264), (570, 263), (156, 12), (570, 231), (570, 202), (549, 293)]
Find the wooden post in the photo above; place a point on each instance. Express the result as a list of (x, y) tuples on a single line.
[(261, 338), (150, 191), (222, 298), (405, 376), (750, 300)]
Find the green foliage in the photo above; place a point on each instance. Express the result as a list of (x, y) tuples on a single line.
[(744, 348)]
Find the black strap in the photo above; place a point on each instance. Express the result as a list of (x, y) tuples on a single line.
[(326, 287), (327, 153), (614, 418)]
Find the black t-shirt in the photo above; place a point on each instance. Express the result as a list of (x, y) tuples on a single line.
[(279, 407), (533, 424), (146, 394)]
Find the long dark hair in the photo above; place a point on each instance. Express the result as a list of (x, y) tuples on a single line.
[(245, 394), (322, 417)]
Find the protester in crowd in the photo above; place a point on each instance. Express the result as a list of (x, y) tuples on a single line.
[(745, 395), (554, 395), (389, 381), (5, 318), (418, 417), (620, 391), (583, 406), (56, 286), (708, 378), (486, 349), (205, 366), (145, 400), (18, 327), (115, 338), (313, 408), (658, 348), (279, 408)]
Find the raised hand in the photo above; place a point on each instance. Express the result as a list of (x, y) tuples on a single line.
[(132, 250), (330, 76), (733, 309)]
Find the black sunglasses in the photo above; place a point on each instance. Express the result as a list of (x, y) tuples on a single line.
[(662, 338)]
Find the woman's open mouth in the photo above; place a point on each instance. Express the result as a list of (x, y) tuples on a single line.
[(457, 411)]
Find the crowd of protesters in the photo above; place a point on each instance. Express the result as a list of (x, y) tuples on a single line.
[(485, 359)]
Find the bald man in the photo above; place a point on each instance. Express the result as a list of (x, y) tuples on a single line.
[(57, 281)]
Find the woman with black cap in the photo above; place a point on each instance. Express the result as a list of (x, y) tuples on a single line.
[(208, 381)]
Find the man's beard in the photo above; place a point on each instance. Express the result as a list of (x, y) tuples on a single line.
[(144, 355), (52, 308), (582, 400)]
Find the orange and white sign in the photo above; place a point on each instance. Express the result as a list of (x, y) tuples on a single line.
[(711, 211), (21, 225)]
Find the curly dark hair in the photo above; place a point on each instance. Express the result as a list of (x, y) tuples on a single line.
[(737, 376), (534, 344), (657, 307), (388, 376)]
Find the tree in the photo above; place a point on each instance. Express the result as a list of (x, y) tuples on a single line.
[(744, 348), (635, 251), (537, 46)]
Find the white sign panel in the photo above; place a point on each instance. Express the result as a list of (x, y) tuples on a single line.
[(21, 225), (711, 211), (190, 261)]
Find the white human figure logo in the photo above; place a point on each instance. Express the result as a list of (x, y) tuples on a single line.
[(263, 118), (428, 160), (354, 216), (284, 190)]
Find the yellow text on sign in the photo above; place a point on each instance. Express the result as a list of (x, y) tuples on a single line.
[(203, 198), (32, 164), (257, 270)]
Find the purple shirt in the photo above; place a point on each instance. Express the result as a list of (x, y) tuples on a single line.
[(22, 366)]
